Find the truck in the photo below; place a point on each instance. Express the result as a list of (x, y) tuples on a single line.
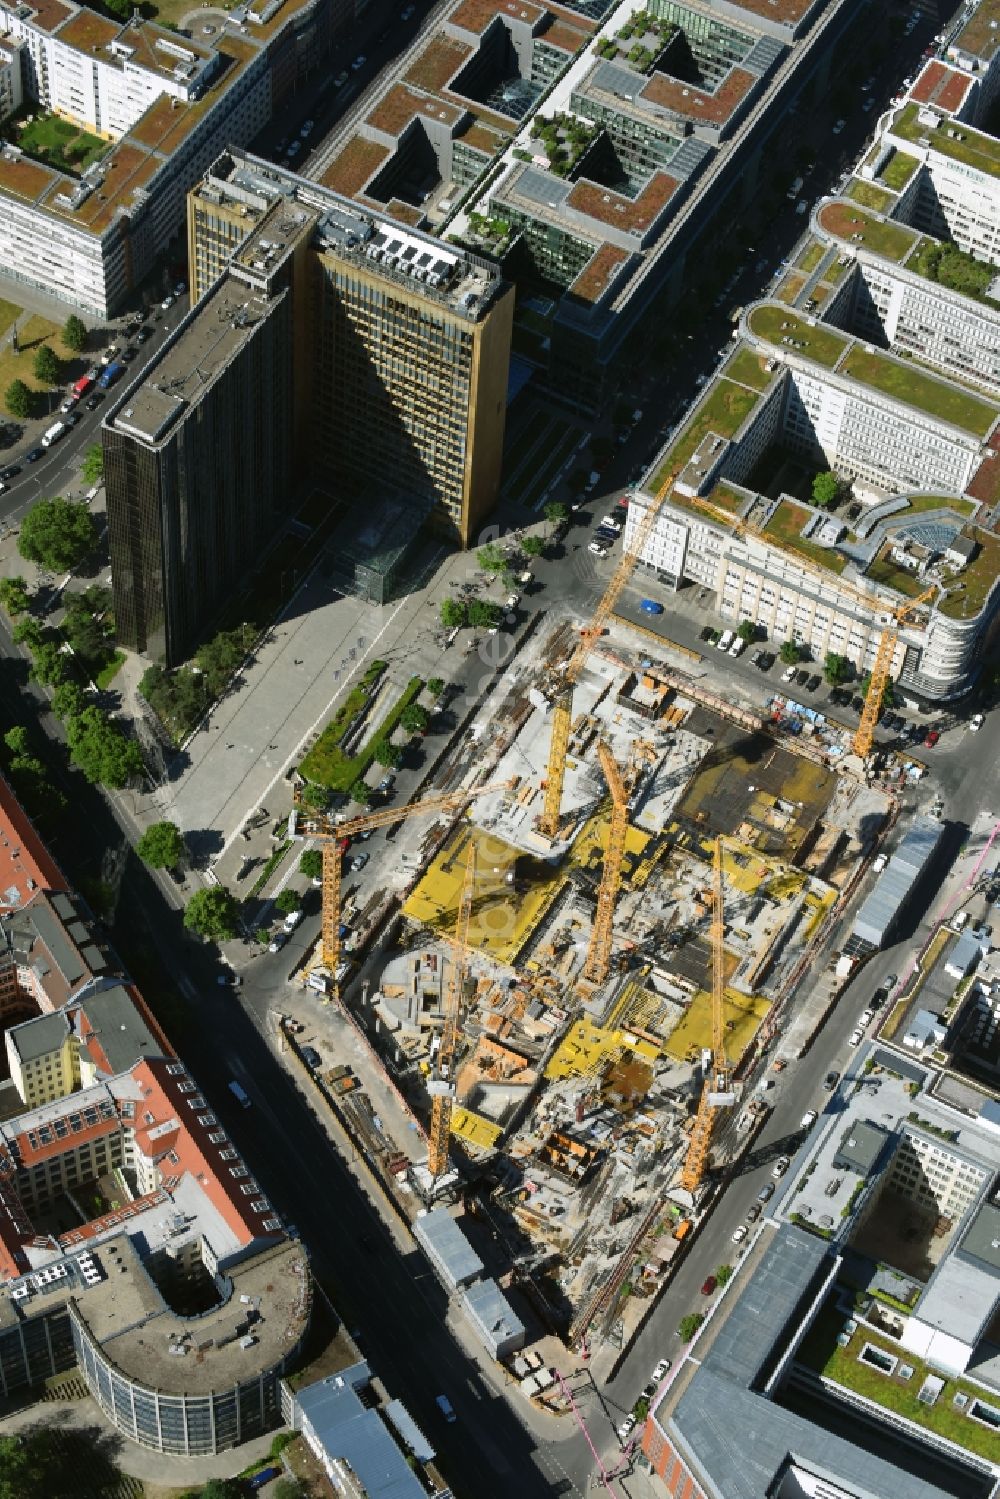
[(82, 386), (110, 375), (54, 433)]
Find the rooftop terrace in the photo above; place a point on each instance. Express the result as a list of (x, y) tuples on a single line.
[(959, 142), (981, 33), (854, 224), (785, 528), (774, 322)]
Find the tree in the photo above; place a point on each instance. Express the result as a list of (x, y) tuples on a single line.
[(288, 1488), (532, 546), (17, 741), (162, 846), (57, 534), (414, 718), (28, 631), (360, 792), (723, 1273), (46, 367), (101, 750), (262, 935), (555, 512), (68, 700), (388, 755), (74, 334), (491, 558), (836, 669), (14, 595), (311, 864), (888, 697), (87, 636), (452, 613), (92, 468), (46, 1460), (435, 686), (484, 614), (287, 901), (689, 1325), (18, 399), (316, 796), (49, 665), (212, 913), (791, 652), (747, 630), (219, 658), (826, 488)]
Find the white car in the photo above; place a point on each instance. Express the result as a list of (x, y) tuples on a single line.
[(660, 1370), (292, 920), (739, 1234), (856, 1037), (167, 302), (781, 1165), (976, 722), (626, 1427), (865, 1019), (808, 1119), (789, 675)]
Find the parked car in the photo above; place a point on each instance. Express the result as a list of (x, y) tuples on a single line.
[(626, 1428), (312, 1058), (406, 14), (831, 1080), (650, 606), (307, 129), (660, 1370), (612, 522), (865, 1018), (753, 1212), (856, 1037), (838, 127), (143, 334), (597, 549), (180, 288), (739, 1234), (709, 1285), (808, 1119), (292, 919), (766, 1192), (780, 1166), (229, 980), (801, 678), (94, 401), (976, 722), (34, 455), (813, 682), (358, 862), (788, 675), (277, 942), (931, 737), (10, 472), (168, 302), (387, 782), (358, 63), (340, 79)]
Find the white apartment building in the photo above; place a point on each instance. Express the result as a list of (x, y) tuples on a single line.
[(958, 194), (11, 78), (99, 73)]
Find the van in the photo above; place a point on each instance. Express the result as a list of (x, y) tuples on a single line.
[(240, 1094), (444, 1405), (738, 646), (54, 433), (960, 920), (724, 641)]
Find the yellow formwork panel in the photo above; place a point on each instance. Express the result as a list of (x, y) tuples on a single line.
[(693, 1031), (474, 1129), (591, 846), (502, 917), (586, 1047)]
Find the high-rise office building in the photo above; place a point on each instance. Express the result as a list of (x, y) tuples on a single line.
[(196, 465), (326, 344)]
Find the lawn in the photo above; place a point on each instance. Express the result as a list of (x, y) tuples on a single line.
[(822, 344), (940, 502), (938, 398), (885, 572), (61, 144), (784, 529), (821, 1352), (898, 170), (881, 236), (9, 311), (107, 674), (789, 287), (36, 331), (747, 368), (868, 195), (327, 763), (810, 257), (723, 410), (969, 146), (967, 595)]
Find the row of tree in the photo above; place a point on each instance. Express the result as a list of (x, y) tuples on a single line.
[(46, 367), (180, 697)]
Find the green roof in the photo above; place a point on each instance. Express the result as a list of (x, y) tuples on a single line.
[(868, 195), (821, 343), (784, 529), (851, 221), (746, 368), (951, 139), (723, 409), (898, 170), (968, 593), (914, 387)]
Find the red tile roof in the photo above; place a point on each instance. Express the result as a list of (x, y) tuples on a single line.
[(23, 855)]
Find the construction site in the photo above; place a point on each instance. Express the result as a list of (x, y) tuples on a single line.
[(601, 928)]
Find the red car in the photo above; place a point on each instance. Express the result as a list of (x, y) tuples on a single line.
[(709, 1286), (931, 737)]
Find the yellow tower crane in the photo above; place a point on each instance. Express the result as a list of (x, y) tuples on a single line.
[(334, 836), (562, 713), (441, 1085), (716, 1091), (881, 674), (595, 969)]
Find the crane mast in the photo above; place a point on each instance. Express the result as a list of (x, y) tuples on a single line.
[(716, 1091), (442, 1085)]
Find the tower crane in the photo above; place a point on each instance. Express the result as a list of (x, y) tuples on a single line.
[(333, 836), (595, 969), (716, 1091), (562, 713), (881, 673), (441, 1085)]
